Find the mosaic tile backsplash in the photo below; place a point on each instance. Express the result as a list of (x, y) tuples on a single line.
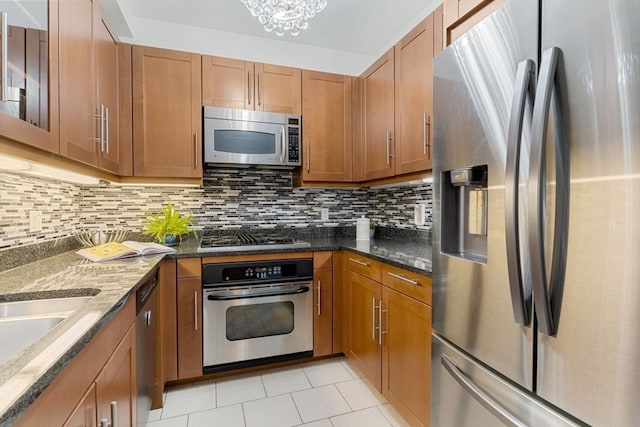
[(229, 198)]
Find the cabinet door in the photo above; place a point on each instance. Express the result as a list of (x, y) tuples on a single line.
[(364, 347), (166, 113), (326, 127), (227, 83), (323, 312), (278, 89), (117, 383), (78, 138), (85, 413), (406, 356), (189, 294), (107, 89), (414, 99), (378, 118)]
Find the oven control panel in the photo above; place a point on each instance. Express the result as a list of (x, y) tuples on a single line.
[(256, 272)]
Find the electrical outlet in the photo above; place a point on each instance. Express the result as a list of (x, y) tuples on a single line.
[(418, 214), (324, 214), (35, 221)]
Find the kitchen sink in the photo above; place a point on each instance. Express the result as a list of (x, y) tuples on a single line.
[(24, 322), (16, 334), (39, 307)]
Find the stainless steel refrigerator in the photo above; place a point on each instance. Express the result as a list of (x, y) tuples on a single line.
[(536, 265)]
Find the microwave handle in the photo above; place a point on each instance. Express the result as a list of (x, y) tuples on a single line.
[(283, 146)]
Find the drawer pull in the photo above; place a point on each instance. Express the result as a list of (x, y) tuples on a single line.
[(397, 276), (357, 261)]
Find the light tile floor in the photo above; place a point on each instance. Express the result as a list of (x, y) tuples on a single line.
[(326, 393)]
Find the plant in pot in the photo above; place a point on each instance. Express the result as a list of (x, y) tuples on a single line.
[(168, 225)]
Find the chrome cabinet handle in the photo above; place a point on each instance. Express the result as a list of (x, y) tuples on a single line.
[(319, 285), (104, 422), (357, 261), (114, 414), (424, 133), (373, 318), (389, 155), (195, 310), (249, 95), (195, 148), (380, 331), (427, 132), (106, 129), (3, 67), (548, 306), (308, 155), (486, 400), (100, 116), (524, 88), (147, 317), (398, 276), (259, 92)]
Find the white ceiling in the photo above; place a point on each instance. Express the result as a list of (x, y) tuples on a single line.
[(358, 29)]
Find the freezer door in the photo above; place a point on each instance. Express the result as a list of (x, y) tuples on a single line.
[(590, 367), (474, 94), (464, 393)]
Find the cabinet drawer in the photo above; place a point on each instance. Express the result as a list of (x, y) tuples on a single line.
[(408, 283), (365, 266), (189, 267), (323, 259)]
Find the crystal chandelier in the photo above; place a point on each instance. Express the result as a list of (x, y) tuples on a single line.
[(284, 15)]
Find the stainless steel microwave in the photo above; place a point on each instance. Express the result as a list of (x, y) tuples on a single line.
[(251, 138)]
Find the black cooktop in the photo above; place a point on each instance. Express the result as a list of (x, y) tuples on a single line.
[(216, 241)]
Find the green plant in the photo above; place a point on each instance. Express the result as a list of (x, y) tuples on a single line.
[(167, 222)]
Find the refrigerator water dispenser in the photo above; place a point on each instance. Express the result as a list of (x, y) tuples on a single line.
[(464, 213)]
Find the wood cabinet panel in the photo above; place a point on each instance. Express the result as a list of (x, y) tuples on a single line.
[(77, 121), (117, 384), (414, 99), (166, 113), (168, 321), (414, 285), (364, 349), (406, 375), (189, 267), (85, 414), (227, 82), (461, 15), (189, 312), (378, 118), (323, 312), (340, 302), (438, 30), (326, 124), (278, 89)]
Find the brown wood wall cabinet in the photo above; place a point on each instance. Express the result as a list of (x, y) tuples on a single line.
[(167, 113), (39, 127), (460, 15), (389, 333), (233, 83), (89, 87), (326, 123), (103, 372)]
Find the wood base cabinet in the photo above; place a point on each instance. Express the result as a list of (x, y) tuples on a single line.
[(322, 304), (389, 334), (189, 318)]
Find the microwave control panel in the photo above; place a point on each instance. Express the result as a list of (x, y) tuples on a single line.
[(293, 147)]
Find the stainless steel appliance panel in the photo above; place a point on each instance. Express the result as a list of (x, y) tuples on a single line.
[(590, 367), (280, 324), (473, 89), (474, 396), (146, 338)]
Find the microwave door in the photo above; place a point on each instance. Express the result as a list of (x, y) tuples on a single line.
[(243, 143)]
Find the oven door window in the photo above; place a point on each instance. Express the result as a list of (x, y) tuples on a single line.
[(259, 320), (244, 141)]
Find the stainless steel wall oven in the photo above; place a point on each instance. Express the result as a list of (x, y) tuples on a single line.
[(256, 312)]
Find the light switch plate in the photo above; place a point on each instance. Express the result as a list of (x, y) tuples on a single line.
[(324, 214), (35, 221), (418, 214)]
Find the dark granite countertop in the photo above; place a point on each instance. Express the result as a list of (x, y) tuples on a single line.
[(111, 284)]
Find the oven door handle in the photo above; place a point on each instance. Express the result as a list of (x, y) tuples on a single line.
[(288, 290)]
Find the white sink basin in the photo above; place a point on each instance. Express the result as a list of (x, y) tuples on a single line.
[(39, 307), (16, 334)]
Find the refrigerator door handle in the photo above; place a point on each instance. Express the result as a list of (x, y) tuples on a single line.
[(485, 399), (549, 89), (524, 88)]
